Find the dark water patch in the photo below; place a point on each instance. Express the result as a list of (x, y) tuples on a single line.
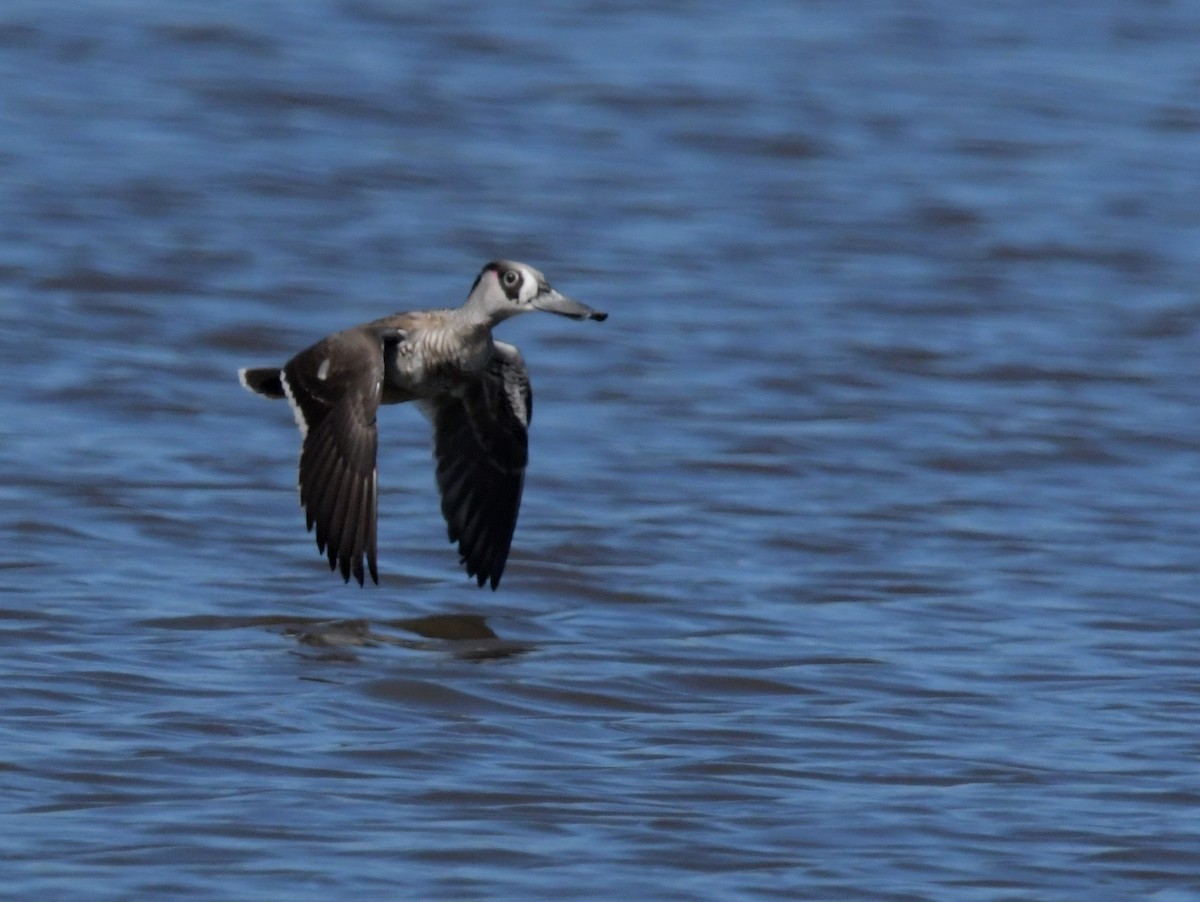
[(216, 36), (665, 98), (1177, 119), (376, 13), (1007, 148), (254, 96), (19, 35), (247, 339), (948, 216), (1125, 260), (151, 198), (87, 281), (793, 147), (1168, 324)]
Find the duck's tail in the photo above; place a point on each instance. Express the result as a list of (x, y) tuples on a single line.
[(263, 380)]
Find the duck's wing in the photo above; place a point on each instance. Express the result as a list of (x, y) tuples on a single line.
[(481, 445), (334, 389)]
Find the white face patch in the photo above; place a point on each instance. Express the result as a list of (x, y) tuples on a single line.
[(323, 370), (529, 284)]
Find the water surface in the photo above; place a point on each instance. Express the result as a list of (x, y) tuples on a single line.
[(858, 550)]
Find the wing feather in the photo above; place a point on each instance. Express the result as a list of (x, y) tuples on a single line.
[(334, 389), (481, 446)]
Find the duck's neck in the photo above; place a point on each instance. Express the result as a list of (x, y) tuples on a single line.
[(478, 312), (469, 316), (464, 336)]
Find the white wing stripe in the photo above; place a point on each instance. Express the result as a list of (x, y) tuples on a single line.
[(296, 411)]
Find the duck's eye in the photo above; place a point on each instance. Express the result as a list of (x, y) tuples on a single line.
[(511, 277)]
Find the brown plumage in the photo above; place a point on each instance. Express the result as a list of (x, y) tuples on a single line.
[(475, 391)]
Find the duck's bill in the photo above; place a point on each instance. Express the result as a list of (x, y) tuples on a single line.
[(553, 302)]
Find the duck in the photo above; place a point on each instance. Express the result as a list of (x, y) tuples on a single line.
[(473, 388)]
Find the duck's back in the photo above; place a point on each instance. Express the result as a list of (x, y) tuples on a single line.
[(432, 353)]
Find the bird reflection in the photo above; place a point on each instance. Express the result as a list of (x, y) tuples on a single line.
[(465, 636)]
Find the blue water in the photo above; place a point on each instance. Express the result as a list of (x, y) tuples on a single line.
[(858, 555)]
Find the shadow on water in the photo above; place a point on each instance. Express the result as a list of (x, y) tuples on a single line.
[(464, 636)]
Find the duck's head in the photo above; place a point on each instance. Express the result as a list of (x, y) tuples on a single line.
[(505, 288)]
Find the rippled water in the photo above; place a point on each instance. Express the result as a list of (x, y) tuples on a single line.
[(858, 552)]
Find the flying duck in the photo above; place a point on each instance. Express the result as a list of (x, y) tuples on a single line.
[(474, 390)]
